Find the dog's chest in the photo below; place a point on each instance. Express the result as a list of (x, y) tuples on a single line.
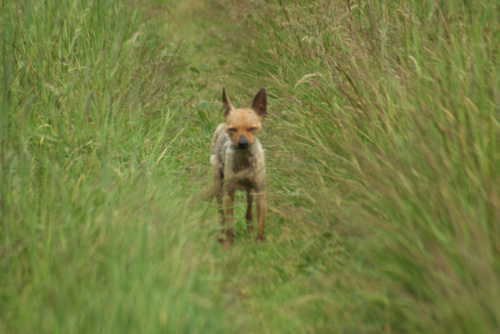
[(245, 169), (242, 168), (243, 162)]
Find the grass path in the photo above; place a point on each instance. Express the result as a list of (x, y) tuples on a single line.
[(279, 285)]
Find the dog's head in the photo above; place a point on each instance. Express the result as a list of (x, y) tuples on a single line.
[(243, 125)]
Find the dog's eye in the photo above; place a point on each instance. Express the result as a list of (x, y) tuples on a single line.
[(231, 130), (252, 129)]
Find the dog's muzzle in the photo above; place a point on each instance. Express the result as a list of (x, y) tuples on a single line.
[(242, 143)]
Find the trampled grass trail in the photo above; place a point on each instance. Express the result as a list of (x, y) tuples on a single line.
[(277, 285)]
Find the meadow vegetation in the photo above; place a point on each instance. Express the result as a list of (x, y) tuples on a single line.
[(383, 153)]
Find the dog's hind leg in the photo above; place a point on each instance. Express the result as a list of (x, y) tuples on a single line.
[(249, 215)]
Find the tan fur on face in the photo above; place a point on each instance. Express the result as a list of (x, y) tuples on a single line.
[(243, 122)]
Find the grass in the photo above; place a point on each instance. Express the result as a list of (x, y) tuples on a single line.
[(395, 111), (95, 233), (381, 146)]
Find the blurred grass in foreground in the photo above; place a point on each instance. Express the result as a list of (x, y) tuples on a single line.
[(94, 233)]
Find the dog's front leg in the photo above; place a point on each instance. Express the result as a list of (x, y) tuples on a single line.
[(261, 213), (249, 216), (228, 207), (218, 181)]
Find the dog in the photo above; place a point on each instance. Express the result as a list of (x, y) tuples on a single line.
[(237, 158)]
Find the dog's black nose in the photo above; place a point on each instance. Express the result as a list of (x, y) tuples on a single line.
[(242, 142)]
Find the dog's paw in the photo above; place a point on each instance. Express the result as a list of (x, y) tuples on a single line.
[(228, 243)]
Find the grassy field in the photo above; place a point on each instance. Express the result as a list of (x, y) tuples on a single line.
[(382, 147)]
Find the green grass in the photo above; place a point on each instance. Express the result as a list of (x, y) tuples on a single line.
[(394, 111), (95, 233), (382, 153)]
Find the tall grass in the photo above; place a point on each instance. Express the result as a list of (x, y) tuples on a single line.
[(381, 143), (95, 235), (394, 108)]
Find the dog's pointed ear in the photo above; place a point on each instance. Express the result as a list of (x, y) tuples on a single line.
[(226, 103), (259, 103)]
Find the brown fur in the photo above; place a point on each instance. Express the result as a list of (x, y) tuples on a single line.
[(238, 161)]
